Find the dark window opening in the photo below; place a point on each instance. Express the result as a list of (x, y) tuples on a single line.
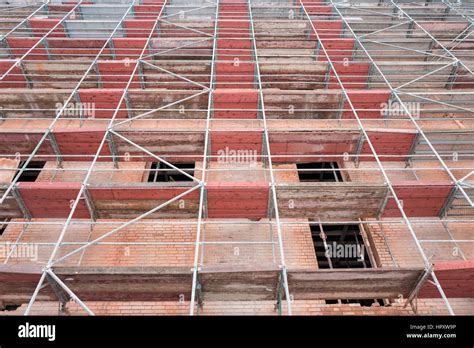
[(160, 172), (31, 172), (4, 225), (319, 171), (346, 248), (363, 303), (341, 246), (9, 308)]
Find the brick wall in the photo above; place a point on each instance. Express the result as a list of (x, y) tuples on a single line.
[(461, 306), (424, 307), (406, 254), (285, 173), (403, 247), (214, 308), (297, 242)]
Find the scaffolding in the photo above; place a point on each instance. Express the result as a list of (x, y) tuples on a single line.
[(245, 89)]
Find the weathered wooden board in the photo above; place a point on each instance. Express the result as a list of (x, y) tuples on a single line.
[(307, 146), (278, 73), (196, 70), (239, 283), (219, 283), (330, 200), (18, 282), (172, 146), (297, 104), (58, 74), (368, 283), (150, 99), (20, 102), (128, 283), (30, 103), (134, 200)]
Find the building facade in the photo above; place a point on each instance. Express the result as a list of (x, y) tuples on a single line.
[(261, 157)]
